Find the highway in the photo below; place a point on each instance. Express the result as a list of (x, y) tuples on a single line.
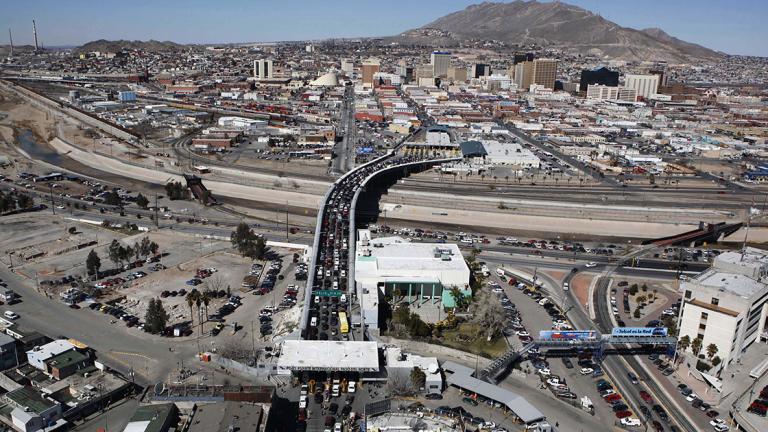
[(344, 150)]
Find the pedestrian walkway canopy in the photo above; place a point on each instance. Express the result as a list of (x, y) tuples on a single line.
[(461, 377)]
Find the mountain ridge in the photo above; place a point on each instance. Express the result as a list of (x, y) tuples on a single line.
[(558, 24)]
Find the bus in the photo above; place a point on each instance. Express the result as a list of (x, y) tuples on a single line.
[(343, 324)]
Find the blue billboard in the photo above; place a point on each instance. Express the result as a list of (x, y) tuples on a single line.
[(639, 331), (570, 335)]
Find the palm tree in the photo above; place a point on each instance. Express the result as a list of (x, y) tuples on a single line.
[(684, 342), (696, 346), (191, 300), (711, 350)]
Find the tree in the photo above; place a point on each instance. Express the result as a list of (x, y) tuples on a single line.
[(248, 243), (113, 199), (637, 313), (684, 342), (114, 252), (641, 299), (488, 314), (24, 201), (142, 201), (144, 246), (696, 346), (137, 250), (418, 377), (176, 191), (711, 350), (191, 300), (154, 247), (93, 262), (716, 360), (6, 203), (461, 300), (633, 289), (156, 317)]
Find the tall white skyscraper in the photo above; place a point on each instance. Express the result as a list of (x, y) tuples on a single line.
[(440, 61), (263, 69), (645, 85)]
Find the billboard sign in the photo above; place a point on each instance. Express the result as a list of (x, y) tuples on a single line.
[(639, 331), (570, 335), (327, 293)]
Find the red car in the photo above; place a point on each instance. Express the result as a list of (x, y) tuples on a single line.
[(613, 397), (646, 397), (622, 414)]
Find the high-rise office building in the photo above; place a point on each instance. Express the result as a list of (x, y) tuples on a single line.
[(263, 69), (645, 85), (522, 57), (600, 76), (524, 75), (457, 73), (545, 72), (370, 67), (540, 71), (480, 70), (347, 66), (440, 61)]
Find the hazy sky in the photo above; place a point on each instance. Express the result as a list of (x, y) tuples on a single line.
[(734, 26)]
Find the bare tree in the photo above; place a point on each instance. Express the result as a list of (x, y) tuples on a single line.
[(487, 313), (400, 385)]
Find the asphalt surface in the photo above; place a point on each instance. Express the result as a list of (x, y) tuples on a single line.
[(345, 149)]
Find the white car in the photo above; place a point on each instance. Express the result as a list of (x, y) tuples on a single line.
[(352, 387), (590, 265), (717, 422), (566, 287), (722, 428), (337, 427), (302, 402), (630, 421), (544, 371), (522, 333), (691, 397), (586, 371)]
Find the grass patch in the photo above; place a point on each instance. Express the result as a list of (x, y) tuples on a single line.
[(464, 338)]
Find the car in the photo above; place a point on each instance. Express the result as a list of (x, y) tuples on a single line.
[(434, 396), (630, 422), (590, 264), (657, 426), (470, 401), (633, 378), (690, 397), (721, 428), (337, 427), (645, 396), (717, 421), (351, 387), (303, 402), (586, 370), (622, 414)]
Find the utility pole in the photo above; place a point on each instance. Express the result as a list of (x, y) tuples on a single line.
[(157, 221), (286, 220), (53, 205), (253, 341)]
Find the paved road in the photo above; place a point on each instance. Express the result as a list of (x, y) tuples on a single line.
[(149, 356), (345, 150)]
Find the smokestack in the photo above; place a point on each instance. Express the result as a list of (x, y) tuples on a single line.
[(34, 33), (10, 36)]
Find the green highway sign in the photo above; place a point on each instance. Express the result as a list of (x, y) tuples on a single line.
[(327, 293)]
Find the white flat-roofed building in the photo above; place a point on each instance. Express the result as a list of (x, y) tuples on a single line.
[(38, 355), (401, 364), (346, 356), (394, 266), (727, 304), (491, 152)]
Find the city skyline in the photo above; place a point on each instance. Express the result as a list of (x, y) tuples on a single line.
[(737, 29)]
